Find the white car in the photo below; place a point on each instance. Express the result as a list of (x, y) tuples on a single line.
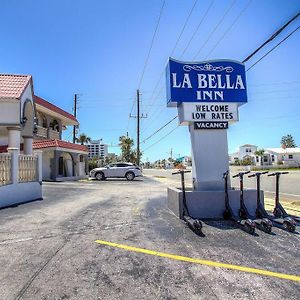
[(117, 170)]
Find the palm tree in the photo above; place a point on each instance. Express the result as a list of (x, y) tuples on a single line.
[(126, 144), (83, 138), (260, 153), (288, 141)]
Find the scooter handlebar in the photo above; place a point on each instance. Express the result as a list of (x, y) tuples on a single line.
[(241, 174), (265, 172), (284, 172), (179, 172), (252, 175), (273, 174)]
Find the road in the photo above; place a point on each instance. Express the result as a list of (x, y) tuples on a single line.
[(289, 183), (48, 249)]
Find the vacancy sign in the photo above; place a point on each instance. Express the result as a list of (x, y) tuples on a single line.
[(213, 112)]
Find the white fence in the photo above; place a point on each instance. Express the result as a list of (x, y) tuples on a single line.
[(28, 168), (5, 169)]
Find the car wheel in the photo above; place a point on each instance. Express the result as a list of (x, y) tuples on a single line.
[(100, 176), (130, 176)]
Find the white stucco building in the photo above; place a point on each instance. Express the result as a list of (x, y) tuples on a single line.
[(20, 169), (272, 156), (34, 125)]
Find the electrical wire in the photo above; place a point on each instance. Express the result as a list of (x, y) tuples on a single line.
[(273, 48), (175, 46), (215, 28), (273, 36), (151, 44), (159, 129), (229, 28), (251, 55), (197, 28), (161, 138)]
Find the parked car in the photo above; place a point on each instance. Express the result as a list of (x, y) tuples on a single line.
[(117, 170)]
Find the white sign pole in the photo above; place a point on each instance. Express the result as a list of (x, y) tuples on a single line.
[(209, 158)]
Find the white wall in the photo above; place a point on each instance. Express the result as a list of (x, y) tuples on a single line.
[(19, 193), (47, 160), (10, 112), (243, 153)]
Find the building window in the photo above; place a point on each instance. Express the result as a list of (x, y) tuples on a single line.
[(273, 158), (290, 156), (257, 159)]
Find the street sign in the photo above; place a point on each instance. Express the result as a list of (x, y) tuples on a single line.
[(191, 112), (208, 81), (210, 125)]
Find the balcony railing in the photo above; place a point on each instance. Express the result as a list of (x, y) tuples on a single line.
[(28, 168), (45, 133), (42, 132), (5, 169), (53, 134)]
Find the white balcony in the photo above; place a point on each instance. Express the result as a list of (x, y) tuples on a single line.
[(42, 132), (53, 134)]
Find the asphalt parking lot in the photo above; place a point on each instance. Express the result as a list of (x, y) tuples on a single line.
[(49, 249)]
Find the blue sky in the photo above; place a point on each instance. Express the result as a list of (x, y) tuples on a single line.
[(98, 50)]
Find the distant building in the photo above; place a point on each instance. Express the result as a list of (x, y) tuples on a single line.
[(272, 156), (185, 161), (97, 149), (246, 151)]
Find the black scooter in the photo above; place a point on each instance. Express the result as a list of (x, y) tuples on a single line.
[(194, 224), (261, 218), (263, 224), (280, 215), (244, 223)]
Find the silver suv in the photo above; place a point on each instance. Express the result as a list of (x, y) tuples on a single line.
[(117, 170)]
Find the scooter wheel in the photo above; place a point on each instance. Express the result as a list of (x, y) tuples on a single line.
[(289, 227), (226, 215), (249, 228), (267, 229)]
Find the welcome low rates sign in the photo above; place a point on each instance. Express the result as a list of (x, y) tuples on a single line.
[(210, 81), (212, 112)]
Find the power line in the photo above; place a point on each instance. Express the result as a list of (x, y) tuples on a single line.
[(272, 37), (175, 46), (273, 48), (253, 53), (162, 138), (184, 26), (215, 28), (197, 28), (159, 129), (151, 45), (229, 28)]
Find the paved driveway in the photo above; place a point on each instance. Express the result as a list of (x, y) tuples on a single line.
[(48, 249)]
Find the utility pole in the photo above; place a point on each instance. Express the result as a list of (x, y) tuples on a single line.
[(75, 114), (138, 127), (138, 117)]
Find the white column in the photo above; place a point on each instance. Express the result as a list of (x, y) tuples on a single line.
[(14, 137), (210, 158), (14, 152), (39, 154), (28, 145)]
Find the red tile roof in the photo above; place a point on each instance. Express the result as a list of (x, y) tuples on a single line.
[(13, 86), (44, 103), (41, 144)]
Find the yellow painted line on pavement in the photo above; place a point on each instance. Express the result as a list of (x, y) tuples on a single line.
[(202, 262)]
